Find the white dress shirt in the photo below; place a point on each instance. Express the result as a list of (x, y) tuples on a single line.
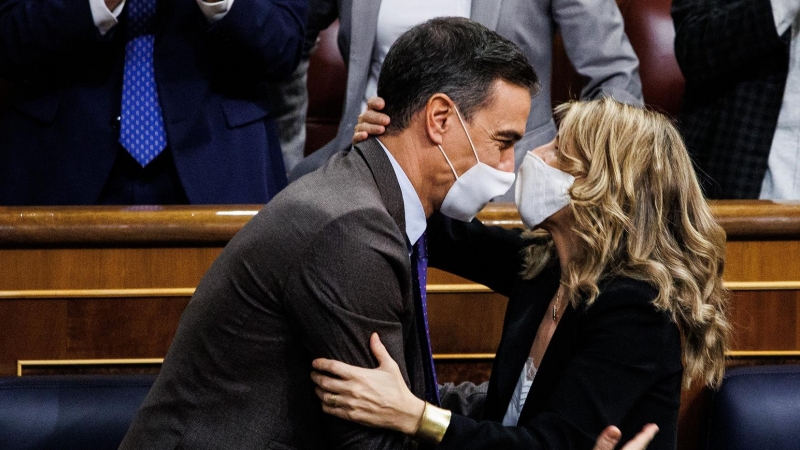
[(416, 222), (782, 180), (395, 18), (511, 419)]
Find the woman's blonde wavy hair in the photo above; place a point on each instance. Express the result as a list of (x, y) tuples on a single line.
[(639, 212)]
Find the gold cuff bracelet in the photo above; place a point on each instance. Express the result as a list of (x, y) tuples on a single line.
[(433, 424)]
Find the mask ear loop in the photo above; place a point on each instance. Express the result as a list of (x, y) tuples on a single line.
[(469, 138), (448, 162)]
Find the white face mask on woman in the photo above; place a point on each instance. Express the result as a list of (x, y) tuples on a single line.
[(475, 187), (541, 191)]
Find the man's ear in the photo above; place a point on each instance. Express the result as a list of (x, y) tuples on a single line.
[(438, 111)]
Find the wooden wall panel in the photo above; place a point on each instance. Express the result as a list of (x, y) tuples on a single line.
[(31, 330), (122, 327), (765, 320), (762, 260), (465, 323), (86, 328), (100, 283), (103, 268)]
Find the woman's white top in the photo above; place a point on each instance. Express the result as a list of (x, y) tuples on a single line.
[(395, 18), (520, 394)]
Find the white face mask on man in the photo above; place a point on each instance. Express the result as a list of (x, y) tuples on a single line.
[(475, 187), (541, 191)]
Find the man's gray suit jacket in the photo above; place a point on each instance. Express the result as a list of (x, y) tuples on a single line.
[(594, 38), (313, 274)]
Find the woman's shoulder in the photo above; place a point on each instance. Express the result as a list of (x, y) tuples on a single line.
[(624, 292), (627, 287), (625, 306)]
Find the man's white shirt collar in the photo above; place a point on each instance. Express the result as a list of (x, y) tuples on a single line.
[(416, 222)]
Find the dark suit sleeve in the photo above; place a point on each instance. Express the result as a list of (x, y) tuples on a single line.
[(262, 37), (713, 40), (338, 301), (40, 35), (488, 255), (465, 399), (321, 14), (619, 360)]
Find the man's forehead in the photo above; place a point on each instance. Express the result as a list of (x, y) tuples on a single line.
[(507, 111)]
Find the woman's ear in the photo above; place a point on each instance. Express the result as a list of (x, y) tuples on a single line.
[(438, 111)]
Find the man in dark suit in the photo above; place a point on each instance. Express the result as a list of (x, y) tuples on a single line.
[(329, 260), (735, 55), (60, 140)]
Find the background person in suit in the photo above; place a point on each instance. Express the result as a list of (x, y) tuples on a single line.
[(289, 97), (329, 259), (609, 303), (741, 108), (63, 139), (592, 30)]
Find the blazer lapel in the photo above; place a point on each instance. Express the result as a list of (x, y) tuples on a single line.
[(522, 322), (385, 179), (556, 358), (486, 12)]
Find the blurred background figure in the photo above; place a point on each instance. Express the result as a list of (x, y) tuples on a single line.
[(143, 102), (741, 109), (592, 31)]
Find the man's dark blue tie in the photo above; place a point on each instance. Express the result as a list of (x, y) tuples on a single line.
[(142, 130), (419, 259)]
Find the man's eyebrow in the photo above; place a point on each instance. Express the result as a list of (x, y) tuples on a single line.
[(507, 134)]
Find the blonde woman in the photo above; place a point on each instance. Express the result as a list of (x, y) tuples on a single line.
[(615, 296)]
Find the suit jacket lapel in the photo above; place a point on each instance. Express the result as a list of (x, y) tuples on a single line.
[(522, 318), (385, 179), (486, 12), (556, 358)]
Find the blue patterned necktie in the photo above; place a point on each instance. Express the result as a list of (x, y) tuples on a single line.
[(141, 122), (419, 258)]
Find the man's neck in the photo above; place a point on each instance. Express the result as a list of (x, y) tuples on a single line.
[(409, 155)]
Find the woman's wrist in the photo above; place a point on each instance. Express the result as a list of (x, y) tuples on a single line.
[(409, 422), (432, 425)]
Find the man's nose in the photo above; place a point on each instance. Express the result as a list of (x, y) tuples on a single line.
[(507, 161)]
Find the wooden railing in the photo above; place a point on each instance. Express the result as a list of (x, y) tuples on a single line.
[(102, 289)]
